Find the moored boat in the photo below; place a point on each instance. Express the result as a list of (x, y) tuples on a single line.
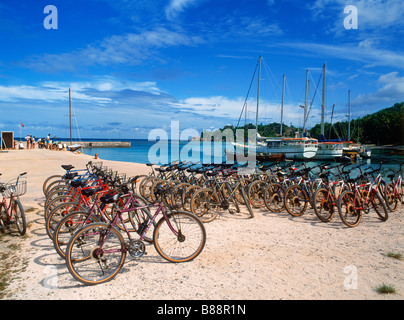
[(292, 148)]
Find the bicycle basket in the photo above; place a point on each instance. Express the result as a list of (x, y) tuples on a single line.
[(17, 190)]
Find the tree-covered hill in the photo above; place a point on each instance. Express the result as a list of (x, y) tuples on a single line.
[(383, 127)]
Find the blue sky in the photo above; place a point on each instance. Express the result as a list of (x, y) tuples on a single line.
[(136, 65)]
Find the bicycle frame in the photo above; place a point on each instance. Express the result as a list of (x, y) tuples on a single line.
[(9, 207), (118, 217)]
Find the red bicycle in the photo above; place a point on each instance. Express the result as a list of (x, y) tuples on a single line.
[(11, 210)]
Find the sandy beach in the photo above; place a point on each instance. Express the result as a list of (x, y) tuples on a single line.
[(270, 257)]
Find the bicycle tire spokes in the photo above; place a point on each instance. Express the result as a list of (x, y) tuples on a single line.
[(95, 254), (179, 237)]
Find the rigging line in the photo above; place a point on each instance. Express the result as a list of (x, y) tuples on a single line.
[(315, 92), (248, 93), (272, 78), (276, 86), (332, 86), (77, 126)]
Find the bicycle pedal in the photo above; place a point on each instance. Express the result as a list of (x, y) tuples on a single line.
[(231, 212)]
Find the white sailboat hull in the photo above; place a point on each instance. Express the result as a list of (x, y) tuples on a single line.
[(292, 148), (328, 151)]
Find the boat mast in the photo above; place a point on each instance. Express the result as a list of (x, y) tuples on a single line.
[(70, 114), (306, 99), (323, 101), (283, 98), (349, 115), (258, 95)]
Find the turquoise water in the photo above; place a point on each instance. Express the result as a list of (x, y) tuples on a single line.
[(162, 152)]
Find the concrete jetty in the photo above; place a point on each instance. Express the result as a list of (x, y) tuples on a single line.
[(101, 144)]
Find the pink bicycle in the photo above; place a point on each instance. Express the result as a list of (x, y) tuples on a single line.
[(11, 209)]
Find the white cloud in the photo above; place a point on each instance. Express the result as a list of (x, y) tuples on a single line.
[(363, 52), (129, 49), (52, 91), (230, 109), (390, 92), (177, 6), (372, 14)]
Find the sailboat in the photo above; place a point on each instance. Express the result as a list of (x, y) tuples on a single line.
[(350, 149), (72, 147), (327, 149), (275, 148)]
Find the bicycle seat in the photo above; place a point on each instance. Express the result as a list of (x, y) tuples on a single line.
[(149, 164), (79, 183), (391, 176), (111, 197), (90, 192), (161, 169), (67, 167), (212, 174), (227, 174), (70, 175)]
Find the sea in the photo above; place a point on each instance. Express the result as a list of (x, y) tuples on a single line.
[(161, 152), (166, 151)]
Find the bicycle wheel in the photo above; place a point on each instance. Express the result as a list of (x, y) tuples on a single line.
[(59, 191), (54, 184), (186, 201), (244, 182), (67, 226), (227, 194), (95, 253), (58, 213), (178, 195), (255, 193), (379, 205), (136, 183), (274, 197), (48, 180), (349, 209), (3, 217), (400, 194), (181, 238), (296, 200), (391, 199), (19, 216), (324, 204), (247, 201), (58, 201), (205, 204), (145, 188)]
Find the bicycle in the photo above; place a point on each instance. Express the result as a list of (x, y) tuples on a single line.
[(325, 199), (274, 192), (97, 252), (72, 222), (395, 190), (207, 202), (299, 195), (84, 199), (351, 204), (13, 211), (60, 180)]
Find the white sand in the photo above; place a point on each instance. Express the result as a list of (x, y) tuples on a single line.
[(272, 256)]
